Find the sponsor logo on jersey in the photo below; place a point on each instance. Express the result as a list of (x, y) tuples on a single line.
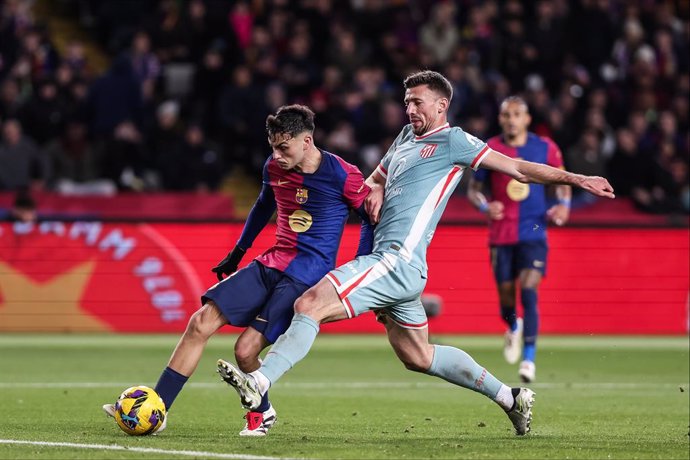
[(428, 150), (538, 263), (282, 182), (517, 191), (302, 195), (394, 192), (300, 221)]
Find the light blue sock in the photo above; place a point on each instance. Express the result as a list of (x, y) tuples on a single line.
[(456, 366), (290, 348)]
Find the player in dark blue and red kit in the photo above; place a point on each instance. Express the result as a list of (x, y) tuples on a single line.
[(518, 213), (313, 192)]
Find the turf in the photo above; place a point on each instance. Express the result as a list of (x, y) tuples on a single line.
[(615, 397)]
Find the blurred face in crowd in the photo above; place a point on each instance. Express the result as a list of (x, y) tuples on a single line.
[(12, 132), (288, 151), (425, 109), (514, 120)]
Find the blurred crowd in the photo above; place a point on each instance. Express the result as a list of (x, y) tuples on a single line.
[(192, 81)]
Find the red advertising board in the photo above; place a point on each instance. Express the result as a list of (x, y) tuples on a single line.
[(92, 276)]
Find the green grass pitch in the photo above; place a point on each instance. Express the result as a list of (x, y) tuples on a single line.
[(597, 397)]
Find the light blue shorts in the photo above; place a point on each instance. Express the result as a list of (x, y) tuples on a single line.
[(381, 280)]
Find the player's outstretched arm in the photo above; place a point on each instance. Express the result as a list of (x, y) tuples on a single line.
[(528, 172)]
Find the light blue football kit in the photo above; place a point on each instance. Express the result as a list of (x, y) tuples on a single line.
[(421, 172)]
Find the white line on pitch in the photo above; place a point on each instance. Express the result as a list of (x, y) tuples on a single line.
[(348, 385), (147, 450)]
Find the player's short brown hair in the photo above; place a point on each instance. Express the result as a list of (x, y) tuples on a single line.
[(291, 120), (434, 80)]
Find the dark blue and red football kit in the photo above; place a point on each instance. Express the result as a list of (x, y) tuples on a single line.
[(518, 241), (312, 211)]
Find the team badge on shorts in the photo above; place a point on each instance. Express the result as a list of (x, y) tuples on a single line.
[(428, 150), (302, 195)]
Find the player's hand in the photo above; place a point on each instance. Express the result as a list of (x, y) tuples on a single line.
[(228, 266), (559, 214), (373, 203), (597, 186), (495, 210)]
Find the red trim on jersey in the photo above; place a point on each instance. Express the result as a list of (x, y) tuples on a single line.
[(348, 307), (479, 157), (383, 171), (333, 279), (354, 285), (452, 173), (433, 131)]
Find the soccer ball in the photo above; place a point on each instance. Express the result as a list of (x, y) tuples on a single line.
[(139, 411)]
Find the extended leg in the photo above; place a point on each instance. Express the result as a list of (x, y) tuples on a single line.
[(185, 358)]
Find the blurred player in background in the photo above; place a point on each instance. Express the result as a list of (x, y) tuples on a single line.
[(313, 191), (518, 214), (417, 176)]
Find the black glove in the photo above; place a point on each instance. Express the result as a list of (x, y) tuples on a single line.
[(228, 266)]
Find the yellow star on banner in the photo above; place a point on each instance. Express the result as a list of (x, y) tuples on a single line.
[(50, 306)]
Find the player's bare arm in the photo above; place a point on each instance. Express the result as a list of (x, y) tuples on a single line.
[(493, 209), (528, 172), (374, 201)]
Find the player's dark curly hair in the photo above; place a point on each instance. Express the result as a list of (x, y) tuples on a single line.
[(290, 119), (434, 80)]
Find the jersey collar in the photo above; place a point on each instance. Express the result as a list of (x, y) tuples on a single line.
[(433, 131)]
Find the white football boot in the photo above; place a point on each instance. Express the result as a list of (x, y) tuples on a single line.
[(244, 384), (512, 349), (521, 413), (528, 371), (258, 423)]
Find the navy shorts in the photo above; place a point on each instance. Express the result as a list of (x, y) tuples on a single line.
[(257, 296), (508, 261)]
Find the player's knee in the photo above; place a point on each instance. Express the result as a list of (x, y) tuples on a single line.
[(197, 328), (246, 355), (416, 363), (306, 303)]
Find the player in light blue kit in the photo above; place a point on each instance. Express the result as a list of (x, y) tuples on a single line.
[(410, 189)]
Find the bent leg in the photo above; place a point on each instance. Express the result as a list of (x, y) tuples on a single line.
[(317, 305), (449, 363), (247, 349), (185, 358)]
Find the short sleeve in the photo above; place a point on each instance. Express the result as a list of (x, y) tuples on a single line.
[(465, 149), (355, 190), (554, 157)]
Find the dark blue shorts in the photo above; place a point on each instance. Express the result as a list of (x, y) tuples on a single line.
[(257, 296), (508, 261)]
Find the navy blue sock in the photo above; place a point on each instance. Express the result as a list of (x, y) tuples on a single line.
[(531, 323), (169, 386), (265, 404), (509, 316)]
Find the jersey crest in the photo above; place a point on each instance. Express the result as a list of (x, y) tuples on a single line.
[(302, 195), (428, 150)]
